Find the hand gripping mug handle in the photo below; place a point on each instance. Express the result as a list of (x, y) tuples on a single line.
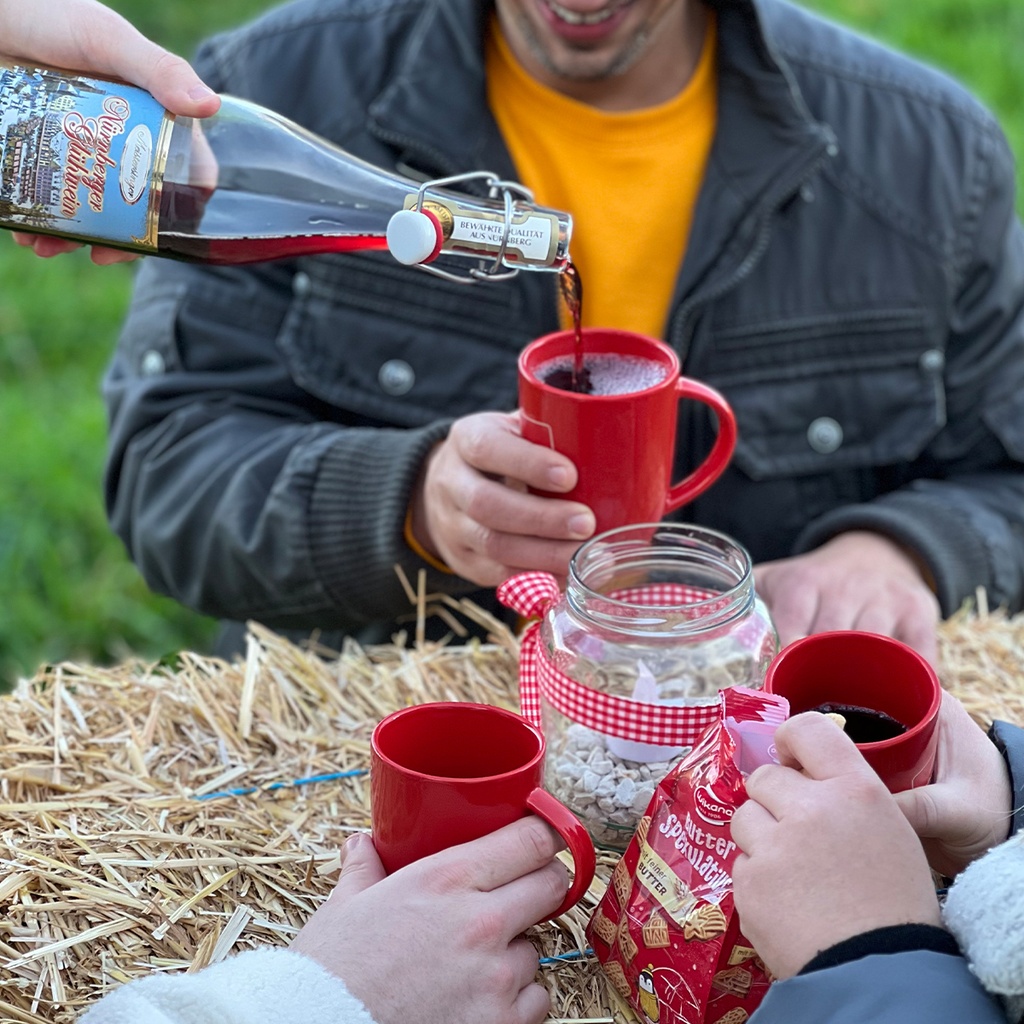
[(576, 837), (721, 452)]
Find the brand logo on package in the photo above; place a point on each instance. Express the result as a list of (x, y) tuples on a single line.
[(135, 164), (711, 808)]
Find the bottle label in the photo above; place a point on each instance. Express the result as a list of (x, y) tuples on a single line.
[(532, 237), (80, 156)]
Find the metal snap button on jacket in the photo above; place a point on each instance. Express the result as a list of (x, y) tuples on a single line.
[(152, 364), (825, 435), (396, 377)]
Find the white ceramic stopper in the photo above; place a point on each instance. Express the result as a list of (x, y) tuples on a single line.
[(412, 237)]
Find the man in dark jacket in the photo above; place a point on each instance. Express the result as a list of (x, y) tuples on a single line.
[(831, 243)]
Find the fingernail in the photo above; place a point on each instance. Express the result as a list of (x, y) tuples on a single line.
[(558, 477), (200, 92), (581, 525)]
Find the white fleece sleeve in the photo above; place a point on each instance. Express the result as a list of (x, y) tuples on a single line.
[(261, 986)]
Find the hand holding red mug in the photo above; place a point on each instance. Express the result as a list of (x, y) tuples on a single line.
[(450, 772), (622, 437), (440, 941), (507, 493), (967, 809)]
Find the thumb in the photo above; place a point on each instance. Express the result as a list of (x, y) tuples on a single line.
[(360, 867), (920, 809), (108, 43), (813, 744), (168, 77)]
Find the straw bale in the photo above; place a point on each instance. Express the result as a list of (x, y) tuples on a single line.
[(981, 662), (117, 856)]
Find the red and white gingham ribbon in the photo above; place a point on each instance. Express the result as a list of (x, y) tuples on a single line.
[(531, 595)]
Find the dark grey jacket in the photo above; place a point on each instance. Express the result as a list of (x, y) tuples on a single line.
[(916, 987), (854, 285)]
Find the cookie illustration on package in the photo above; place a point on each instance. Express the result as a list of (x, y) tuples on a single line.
[(627, 944), (655, 932), (704, 923), (733, 980), (617, 976), (737, 1015), (621, 882), (642, 826), (604, 927)]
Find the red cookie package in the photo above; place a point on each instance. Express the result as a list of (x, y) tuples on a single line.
[(666, 932)]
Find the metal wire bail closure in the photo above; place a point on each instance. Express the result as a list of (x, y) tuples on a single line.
[(510, 192)]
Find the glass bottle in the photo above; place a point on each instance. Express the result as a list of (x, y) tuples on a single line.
[(102, 162), (664, 614)]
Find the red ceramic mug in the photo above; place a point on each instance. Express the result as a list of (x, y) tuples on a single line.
[(446, 773), (623, 445), (867, 670)]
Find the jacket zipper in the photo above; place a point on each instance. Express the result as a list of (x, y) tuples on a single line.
[(680, 334)]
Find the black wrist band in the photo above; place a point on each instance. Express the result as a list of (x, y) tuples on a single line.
[(897, 938)]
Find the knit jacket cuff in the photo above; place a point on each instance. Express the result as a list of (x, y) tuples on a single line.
[(898, 938), (356, 521), (940, 535)]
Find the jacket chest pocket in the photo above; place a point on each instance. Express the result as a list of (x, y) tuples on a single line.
[(393, 345), (820, 395)]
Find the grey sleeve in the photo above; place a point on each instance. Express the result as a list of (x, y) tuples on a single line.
[(902, 988), (232, 490)]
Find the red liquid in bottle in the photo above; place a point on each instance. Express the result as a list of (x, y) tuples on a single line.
[(226, 251), (232, 226)]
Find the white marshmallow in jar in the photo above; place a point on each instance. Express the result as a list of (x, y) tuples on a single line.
[(661, 614)]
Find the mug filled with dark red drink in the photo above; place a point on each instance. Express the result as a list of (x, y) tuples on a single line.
[(615, 413), (887, 694)]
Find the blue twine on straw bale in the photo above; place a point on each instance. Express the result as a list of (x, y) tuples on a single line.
[(575, 954), (246, 790)]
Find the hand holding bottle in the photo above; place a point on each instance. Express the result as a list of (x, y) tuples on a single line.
[(87, 36), (472, 507)]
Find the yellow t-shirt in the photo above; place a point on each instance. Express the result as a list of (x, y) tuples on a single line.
[(630, 180)]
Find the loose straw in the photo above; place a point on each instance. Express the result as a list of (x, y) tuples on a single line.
[(160, 818)]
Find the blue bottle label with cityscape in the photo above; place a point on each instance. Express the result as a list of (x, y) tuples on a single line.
[(80, 156)]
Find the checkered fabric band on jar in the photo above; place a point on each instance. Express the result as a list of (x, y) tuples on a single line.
[(532, 594)]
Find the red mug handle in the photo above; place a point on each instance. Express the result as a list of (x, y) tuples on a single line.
[(577, 839), (721, 452)]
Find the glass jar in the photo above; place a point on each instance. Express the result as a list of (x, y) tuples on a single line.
[(660, 613)]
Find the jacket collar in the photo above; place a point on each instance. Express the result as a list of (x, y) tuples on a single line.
[(434, 109), (766, 145)]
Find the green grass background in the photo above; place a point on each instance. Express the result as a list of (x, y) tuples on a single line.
[(67, 589)]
